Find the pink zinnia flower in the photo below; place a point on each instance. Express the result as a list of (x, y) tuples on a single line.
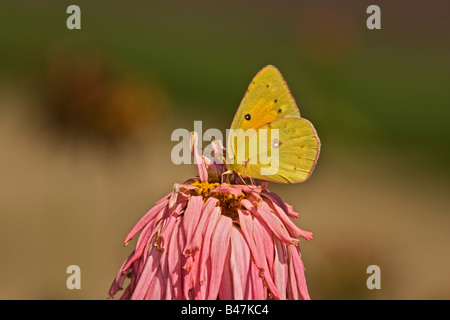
[(212, 240)]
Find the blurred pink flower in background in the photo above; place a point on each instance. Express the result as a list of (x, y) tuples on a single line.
[(212, 240)]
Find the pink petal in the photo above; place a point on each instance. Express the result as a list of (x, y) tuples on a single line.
[(265, 214), (137, 268), (156, 288), (204, 277), (120, 278), (168, 223), (246, 223), (259, 239), (248, 294), (226, 284), (197, 237), (291, 211), (292, 281), (251, 189), (184, 274), (254, 199), (296, 231), (167, 230), (254, 238), (280, 268), (190, 280), (264, 185), (175, 261), (258, 292), (141, 244), (179, 203), (191, 216), (178, 193), (150, 215), (167, 292), (220, 242), (217, 148), (203, 173), (224, 188), (267, 239), (166, 197), (273, 197), (126, 294), (148, 273), (239, 263), (204, 273), (299, 270)]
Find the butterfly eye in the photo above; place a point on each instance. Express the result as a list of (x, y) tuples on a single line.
[(247, 117)]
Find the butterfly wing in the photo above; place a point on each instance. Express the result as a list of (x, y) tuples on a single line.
[(268, 103), (291, 155), (267, 98)]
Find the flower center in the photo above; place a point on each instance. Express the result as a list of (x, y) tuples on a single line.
[(204, 188), (227, 201)]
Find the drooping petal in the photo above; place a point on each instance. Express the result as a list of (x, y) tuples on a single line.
[(299, 270), (258, 292), (274, 198), (183, 273), (199, 232), (292, 280), (204, 273), (225, 188), (288, 223), (167, 229), (251, 189), (258, 232), (178, 193), (175, 261), (291, 211), (280, 268), (226, 291), (120, 278), (127, 293), (254, 238), (267, 239), (191, 216), (190, 280), (137, 268), (246, 224), (248, 293), (201, 166), (150, 215), (157, 287), (265, 214), (239, 264), (150, 269), (164, 274), (144, 238), (220, 242)]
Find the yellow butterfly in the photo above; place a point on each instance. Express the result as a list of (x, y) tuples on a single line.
[(292, 149)]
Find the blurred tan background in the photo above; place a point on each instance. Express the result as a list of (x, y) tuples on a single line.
[(86, 117)]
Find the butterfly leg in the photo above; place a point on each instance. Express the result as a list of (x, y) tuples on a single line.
[(229, 172)]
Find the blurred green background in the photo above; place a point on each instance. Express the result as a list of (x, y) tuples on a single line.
[(86, 117)]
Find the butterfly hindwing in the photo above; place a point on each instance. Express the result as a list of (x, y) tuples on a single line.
[(292, 154)]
